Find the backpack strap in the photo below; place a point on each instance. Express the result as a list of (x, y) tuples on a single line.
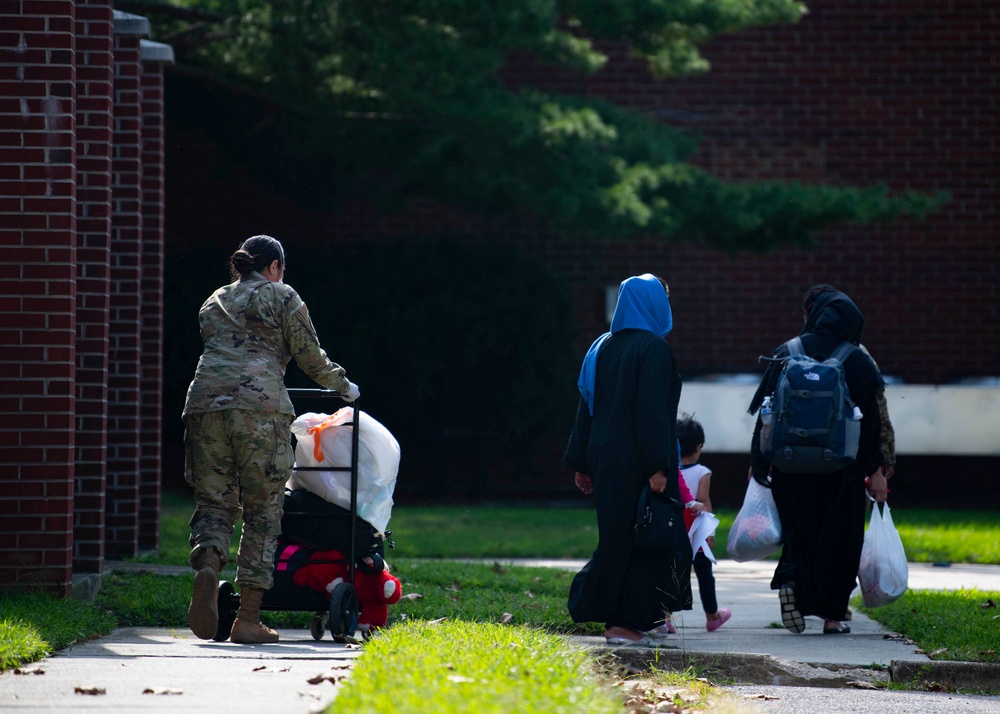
[(843, 351), (794, 346)]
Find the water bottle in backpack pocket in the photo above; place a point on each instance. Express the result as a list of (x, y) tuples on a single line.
[(815, 425)]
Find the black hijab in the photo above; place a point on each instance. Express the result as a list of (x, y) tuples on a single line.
[(833, 318)]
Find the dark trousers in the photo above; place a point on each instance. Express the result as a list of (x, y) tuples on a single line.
[(706, 583)]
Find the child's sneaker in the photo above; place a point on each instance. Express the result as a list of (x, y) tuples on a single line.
[(724, 615)]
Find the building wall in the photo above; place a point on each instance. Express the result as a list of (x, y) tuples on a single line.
[(38, 269), (856, 93), (70, 323), (95, 80)]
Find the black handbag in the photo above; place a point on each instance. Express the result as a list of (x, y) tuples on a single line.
[(659, 524)]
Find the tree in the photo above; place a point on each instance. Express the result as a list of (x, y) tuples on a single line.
[(405, 98)]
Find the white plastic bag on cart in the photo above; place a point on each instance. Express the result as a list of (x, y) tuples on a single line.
[(756, 532), (325, 440), (883, 572)]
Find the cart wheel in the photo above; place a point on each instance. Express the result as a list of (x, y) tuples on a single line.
[(343, 610), (229, 604), (318, 625)]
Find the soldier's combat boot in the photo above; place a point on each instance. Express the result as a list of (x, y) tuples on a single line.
[(248, 629), (203, 612)]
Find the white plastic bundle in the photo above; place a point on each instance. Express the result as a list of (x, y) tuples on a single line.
[(756, 532), (883, 573), (378, 462)]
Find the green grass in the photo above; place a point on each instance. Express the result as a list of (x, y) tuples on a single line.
[(484, 593), (932, 536), (959, 625), (34, 624), (928, 535), (422, 666)]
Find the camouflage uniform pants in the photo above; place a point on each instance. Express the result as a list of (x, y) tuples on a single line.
[(238, 460)]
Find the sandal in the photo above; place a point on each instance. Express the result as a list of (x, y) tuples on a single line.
[(841, 629), (791, 618), (644, 641)]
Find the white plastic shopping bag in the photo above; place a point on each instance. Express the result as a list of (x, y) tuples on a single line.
[(756, 532), (883, 573), (704, 526), (324, 440)]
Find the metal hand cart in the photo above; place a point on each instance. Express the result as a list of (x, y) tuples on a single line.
[(339, 614)]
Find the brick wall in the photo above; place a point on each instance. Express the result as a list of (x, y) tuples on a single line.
[(37, 291), (80, 286), (153, 56), (95, 55), (122, 518), (856, 93)]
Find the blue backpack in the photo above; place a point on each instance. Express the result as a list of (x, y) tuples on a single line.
[(816, 426)]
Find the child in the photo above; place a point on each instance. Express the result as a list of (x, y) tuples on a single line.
[(691, 436)]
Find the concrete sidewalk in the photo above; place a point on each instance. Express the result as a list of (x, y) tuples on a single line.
[(753, 646), (167, 670)]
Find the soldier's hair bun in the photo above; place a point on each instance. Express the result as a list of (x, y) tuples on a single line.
[(242, 261), (255, 254)]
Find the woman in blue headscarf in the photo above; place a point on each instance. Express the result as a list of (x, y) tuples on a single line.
[(624, 437)]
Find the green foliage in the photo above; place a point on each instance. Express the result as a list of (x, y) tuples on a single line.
[(437, 334), (446, 666), (350, 92), (958, 625)]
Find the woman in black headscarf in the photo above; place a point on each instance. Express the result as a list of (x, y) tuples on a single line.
[(823, 515)]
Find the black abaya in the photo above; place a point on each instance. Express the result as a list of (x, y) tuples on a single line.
[(630, 437), (823, 515)]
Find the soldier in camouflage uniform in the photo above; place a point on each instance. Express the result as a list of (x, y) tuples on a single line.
[(238, 452)]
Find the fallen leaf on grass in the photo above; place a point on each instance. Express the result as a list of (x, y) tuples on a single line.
[(454, 587), (162, 690), (94, 691), (937, 653), (987, 604), (988, 653), (863, 685), (411, 596), (437, 621), (498, 569), (459, 679), (32, 670), (505, 618), (528, 593)]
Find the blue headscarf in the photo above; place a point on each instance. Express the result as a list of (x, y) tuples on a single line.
[(642, 305)]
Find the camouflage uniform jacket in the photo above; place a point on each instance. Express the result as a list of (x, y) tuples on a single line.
[(251, 329)]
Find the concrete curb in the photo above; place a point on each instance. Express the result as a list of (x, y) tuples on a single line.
[(975, 676), (742, 668)]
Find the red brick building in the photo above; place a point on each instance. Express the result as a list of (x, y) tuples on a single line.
[(81, 245), (857, 93)]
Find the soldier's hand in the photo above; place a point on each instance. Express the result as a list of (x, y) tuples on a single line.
[(353, 392)]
